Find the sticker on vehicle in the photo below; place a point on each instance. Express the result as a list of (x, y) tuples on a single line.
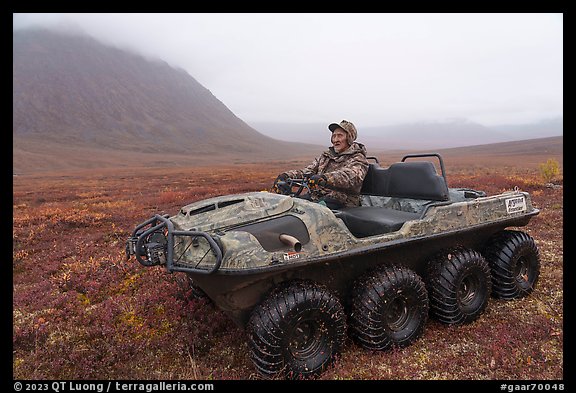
[(291, 255), (515, 205)]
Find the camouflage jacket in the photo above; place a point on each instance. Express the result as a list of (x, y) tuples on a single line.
[(344, 171)]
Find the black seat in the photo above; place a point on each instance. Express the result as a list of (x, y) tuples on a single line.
[(410, 180), (375, 181), (415, 180), (370, 220)]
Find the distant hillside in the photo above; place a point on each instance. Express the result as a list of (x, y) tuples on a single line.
[(421, 135), (528, 153), (79, 103), (551, 146)]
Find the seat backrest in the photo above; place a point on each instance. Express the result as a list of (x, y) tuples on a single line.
[(376, 181), (415, 180)]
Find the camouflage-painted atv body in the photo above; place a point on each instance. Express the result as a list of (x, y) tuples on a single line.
[(298, 275)]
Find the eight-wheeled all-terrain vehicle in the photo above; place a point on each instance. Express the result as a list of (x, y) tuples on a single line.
[(299, 276)]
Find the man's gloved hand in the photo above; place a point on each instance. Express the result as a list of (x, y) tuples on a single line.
[(281, 188), (282, 177), (317, 180)]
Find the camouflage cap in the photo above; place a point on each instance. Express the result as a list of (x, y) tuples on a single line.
[(346, 126)]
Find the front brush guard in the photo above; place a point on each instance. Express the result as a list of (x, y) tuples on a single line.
[(135, 245)]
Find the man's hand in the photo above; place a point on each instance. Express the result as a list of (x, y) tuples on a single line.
[(317, 180), (281, 177), (281, 188)]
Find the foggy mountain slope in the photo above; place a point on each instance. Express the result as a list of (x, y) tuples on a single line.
[(70, 91)]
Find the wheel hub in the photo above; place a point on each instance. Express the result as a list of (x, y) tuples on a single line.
[(467, 290), (305, 339), (522, 270), (397, 314)]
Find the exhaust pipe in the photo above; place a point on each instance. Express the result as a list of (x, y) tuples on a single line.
[(291, 241)]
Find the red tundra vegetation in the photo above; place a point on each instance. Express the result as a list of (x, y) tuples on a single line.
[(81, 311)]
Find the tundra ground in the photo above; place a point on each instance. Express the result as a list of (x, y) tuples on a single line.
[(81, 311)]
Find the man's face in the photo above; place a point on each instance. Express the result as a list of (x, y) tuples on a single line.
[(339, 140)]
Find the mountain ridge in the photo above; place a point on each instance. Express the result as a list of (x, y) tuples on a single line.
[(72, 90)]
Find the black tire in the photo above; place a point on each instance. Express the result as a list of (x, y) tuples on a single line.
[(296, 332), (515, 264), (389, 308), (459, 285)]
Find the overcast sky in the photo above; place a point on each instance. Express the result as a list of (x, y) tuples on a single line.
[(373, 69)]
